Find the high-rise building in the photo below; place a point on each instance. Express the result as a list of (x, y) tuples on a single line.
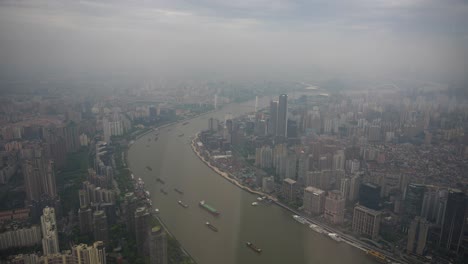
[(85, 217), (369, 196), (289, 189), (344, 188), (84, 198), (334, 207), (158, 246), (142, 229), (366, 221), (414, 199), (273, 121), (95, 254), (130, 205), (314, 200), (354, 185), (38, 172), (50, 244), (101, 232), (268, 184), (451, 235), (417, 236), (282, 124)]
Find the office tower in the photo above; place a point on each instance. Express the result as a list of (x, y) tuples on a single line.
[(282, 124), (366, 221), (273, 121), (130, 205), (158, 246), (314, 200), (50, 244), (84, 198), (417, 236), (213, 124), (414, 199), (338, 162), (95, 254), (85, 217), (451, 235), (142, 229), (334, 207), (303, 162), (289, 189), (101, 232), (292, 129), (369, 196), (354, 185), (344, 188)]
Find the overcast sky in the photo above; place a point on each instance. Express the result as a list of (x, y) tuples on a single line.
[(241, 36)]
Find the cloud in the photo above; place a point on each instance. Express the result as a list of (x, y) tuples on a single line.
[(365, 36)]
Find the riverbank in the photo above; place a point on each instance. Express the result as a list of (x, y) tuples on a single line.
[(226, 175), (350, 240)]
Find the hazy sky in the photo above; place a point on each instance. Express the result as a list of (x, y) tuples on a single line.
[(234, 36)]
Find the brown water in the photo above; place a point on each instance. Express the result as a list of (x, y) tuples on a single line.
[(269, 227)]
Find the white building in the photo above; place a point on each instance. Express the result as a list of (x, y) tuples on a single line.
[(314, 200), (50, 243)]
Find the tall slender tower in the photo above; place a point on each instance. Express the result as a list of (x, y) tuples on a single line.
[(215, 101), (273, 118), (256, 104), (282, 126)]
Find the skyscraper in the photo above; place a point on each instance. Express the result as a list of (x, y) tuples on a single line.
[(414, 199), (158, 246), (273, 121), (100, 228), (334, 207), (417, 236), (366, 221), (369, 196), (453, 224), (142, 229), (50, 243), (282, 124), (85, 216), (95, 254), (314, 200)]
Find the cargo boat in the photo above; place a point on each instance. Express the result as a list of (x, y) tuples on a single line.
[(253, 247), (185, 123), (208, 207), (163, 191), (377, 256), (182, 204), (212, 227), (160, 180), (317, 229), (178, 191), (181, 135), (335, 237), (149, 168), (300, 219)]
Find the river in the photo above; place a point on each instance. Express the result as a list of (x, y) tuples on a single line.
[(269, 227)]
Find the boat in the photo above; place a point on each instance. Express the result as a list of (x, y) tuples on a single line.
[(335, 237), (212, 227), (259, 199), (149, 168), (156, 211), (181, 135), (147, 194), (160, 180), (254, 204), (377, 256), (208, 207), (185, 123), (182, 204), (178, 191), (253, 247), (317, 229), (300, 219), (163, 191)]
